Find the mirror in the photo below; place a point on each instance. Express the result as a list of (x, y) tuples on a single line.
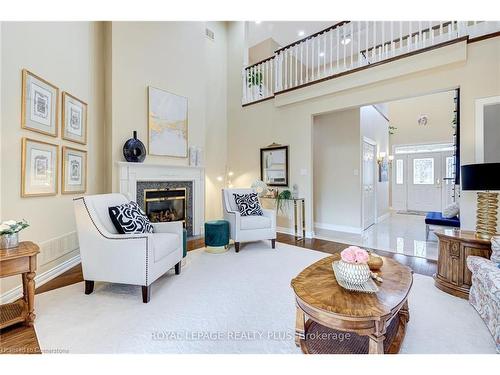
[(488, 130), (274, 165)]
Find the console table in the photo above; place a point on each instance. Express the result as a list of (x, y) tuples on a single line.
[(295, 216), (455, 246), (15, 261)]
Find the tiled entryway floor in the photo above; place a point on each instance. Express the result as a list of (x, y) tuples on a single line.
[(399, 233)]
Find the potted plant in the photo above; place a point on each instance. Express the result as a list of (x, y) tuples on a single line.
[(255, 79), (282, 200), (9, 233)]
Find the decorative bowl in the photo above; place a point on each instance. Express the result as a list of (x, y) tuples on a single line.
[(375, 262), (354, 273)]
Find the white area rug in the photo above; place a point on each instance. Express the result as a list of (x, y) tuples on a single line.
[(231, 303)]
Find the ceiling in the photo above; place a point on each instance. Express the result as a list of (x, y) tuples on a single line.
[(283, 32)]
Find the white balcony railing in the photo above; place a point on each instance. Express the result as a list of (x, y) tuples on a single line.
[(347, 46)]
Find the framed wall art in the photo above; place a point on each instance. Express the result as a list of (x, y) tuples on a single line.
[(40, 102), (74, 119), (167, 123), (74, 166), (39, 171)]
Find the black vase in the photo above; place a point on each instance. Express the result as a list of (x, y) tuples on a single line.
[(134, 150)]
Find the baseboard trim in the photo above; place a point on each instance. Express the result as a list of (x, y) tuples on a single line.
[(383, 217), (41, 279), (284, 230), (339, 228)]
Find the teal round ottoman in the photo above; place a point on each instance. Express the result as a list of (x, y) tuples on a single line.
[(217, 234)]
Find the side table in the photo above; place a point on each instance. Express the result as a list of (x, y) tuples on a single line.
[(15, 261)]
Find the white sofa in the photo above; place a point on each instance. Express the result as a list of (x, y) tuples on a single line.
[(247, 228), (137, 259)]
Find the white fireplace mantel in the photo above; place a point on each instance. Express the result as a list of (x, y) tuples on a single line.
[(131, 173)]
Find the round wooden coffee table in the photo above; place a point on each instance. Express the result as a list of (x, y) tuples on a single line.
[(331, 319)]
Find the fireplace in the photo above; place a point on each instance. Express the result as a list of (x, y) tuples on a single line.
[(167, 204)]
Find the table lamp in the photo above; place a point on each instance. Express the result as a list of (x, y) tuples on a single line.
[(483, 178)]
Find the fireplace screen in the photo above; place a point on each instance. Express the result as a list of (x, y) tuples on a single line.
[(165, 205)]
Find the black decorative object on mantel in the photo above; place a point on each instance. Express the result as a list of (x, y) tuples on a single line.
[(134, 150)]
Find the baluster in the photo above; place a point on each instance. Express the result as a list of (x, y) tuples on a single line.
[(243, 76), (400, 37), (285, 73), (266, 69), (331, 51), (344, 46), (318, 75), (307, 60), (431, 31), (440, 33), (374, 50), (290, 70), (359, 43), (296, 65), (408, 40), (301, 63), (419, 45), (312, 59), (391, 45), (367, 32), (450, 29), (324, 54), (338, 49), (276, 78), (382, 54), (352, 44)]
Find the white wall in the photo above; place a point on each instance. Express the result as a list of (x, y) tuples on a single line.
[(376, 127), (477, 76), (177, 57), (336, 170), (70, 57), (404, 114)]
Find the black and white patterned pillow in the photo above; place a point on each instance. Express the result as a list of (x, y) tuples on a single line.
[(128, 218), (248, 204)]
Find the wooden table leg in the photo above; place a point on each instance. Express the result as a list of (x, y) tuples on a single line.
[(300, 326), (376, 344), (30, 280), (25, 287)]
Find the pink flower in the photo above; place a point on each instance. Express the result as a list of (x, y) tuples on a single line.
[(348, 255), (354, 254), (361, 256)]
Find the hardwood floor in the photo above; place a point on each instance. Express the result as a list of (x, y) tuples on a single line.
[(20, 339)]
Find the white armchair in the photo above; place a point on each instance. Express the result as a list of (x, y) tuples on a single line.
[(247, 228), (137, 259)]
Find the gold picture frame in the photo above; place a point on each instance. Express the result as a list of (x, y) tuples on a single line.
[(39, 174), (39, 105), (161, 123), (75, 122), (74, 171)]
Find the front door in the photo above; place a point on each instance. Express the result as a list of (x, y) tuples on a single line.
[(425, 182), (368, 184)]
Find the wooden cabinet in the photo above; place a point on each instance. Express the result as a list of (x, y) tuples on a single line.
[(455, 246)]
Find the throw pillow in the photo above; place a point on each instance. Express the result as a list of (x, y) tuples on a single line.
[(495, 249), (128, 218), (248, 204), (451, 211)]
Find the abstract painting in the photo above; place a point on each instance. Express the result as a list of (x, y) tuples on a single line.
[(74, 171), (39, 105), (74, 119), (39, 168), (167, 123)]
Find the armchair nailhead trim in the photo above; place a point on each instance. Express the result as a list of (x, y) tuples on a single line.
[(121, 238)]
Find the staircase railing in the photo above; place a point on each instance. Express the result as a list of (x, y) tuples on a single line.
[(347, 46)]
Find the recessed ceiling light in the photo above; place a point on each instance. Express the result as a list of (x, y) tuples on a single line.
[(258, 22), (321, 54), (301, 33), (346, 40)]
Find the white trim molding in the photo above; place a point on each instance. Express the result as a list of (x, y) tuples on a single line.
[(339, 228), (41, 279)]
